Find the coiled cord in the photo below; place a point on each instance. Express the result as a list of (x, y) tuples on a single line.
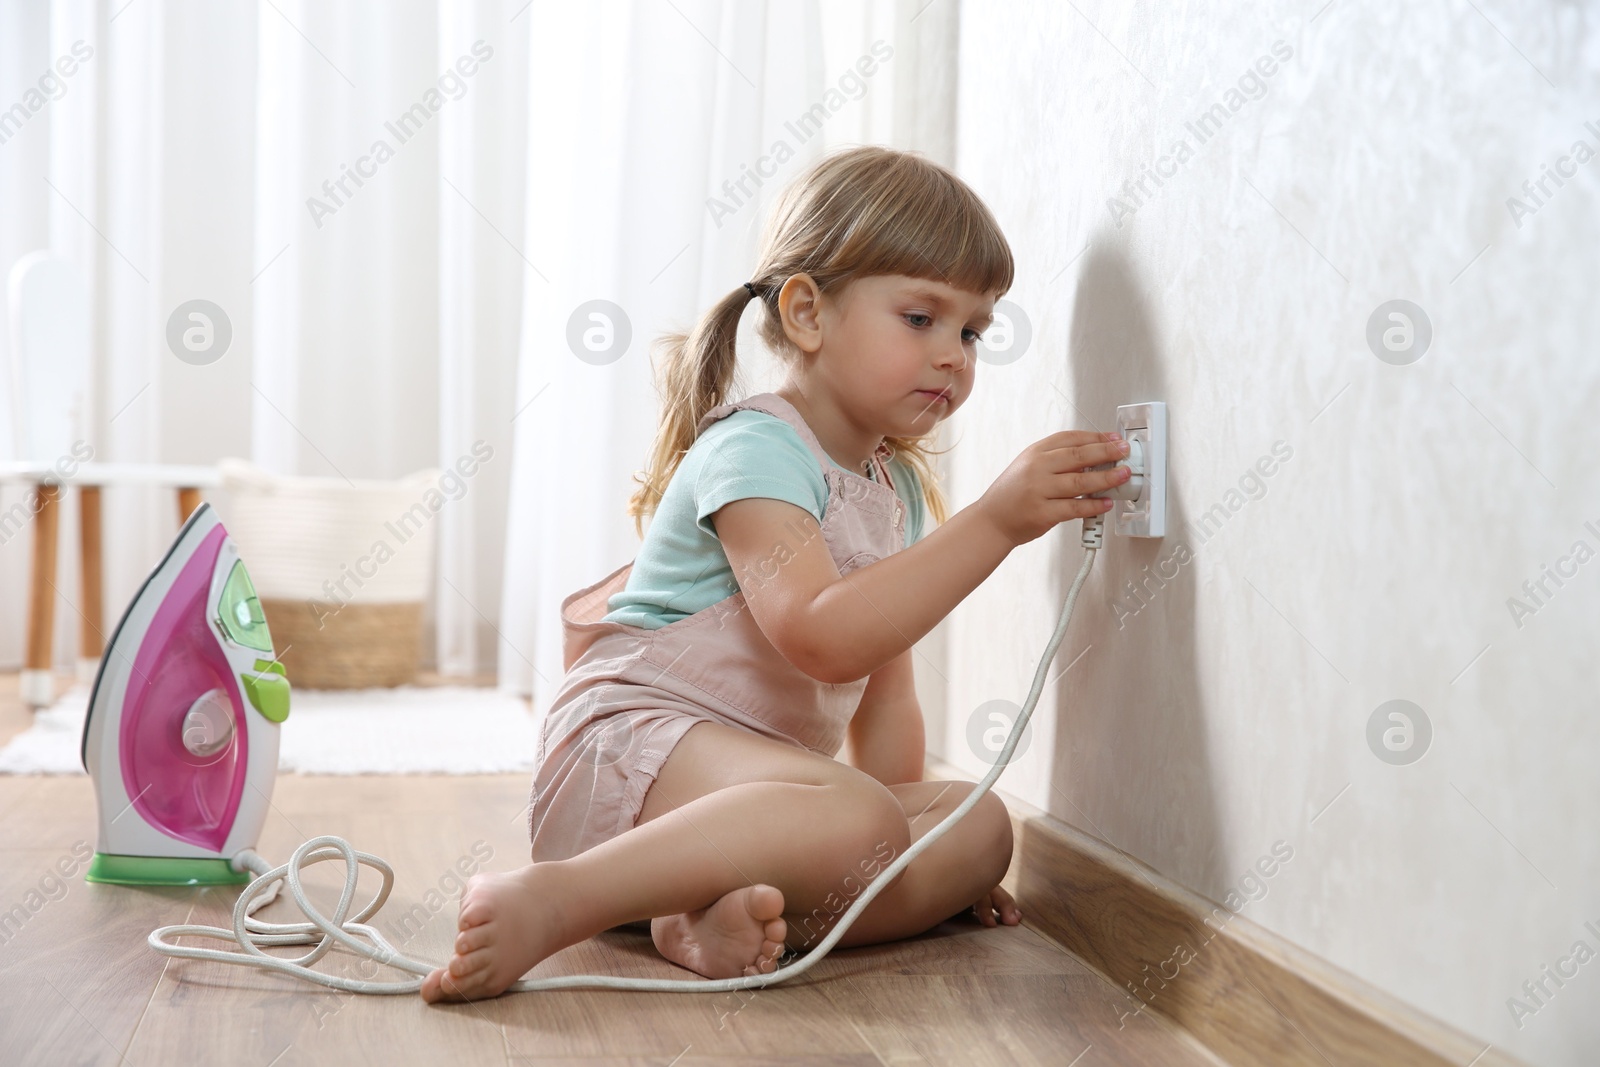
[(250, 934)]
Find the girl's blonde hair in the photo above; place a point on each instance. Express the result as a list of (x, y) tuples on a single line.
[(859, 212)]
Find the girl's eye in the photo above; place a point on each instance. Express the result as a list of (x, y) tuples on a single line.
[(977, 335)]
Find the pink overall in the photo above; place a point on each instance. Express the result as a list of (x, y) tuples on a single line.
[(630, 692)]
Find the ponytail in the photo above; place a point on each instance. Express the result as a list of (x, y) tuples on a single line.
[(695, 374)]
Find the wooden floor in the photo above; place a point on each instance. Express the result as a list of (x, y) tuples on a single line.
[(78, 984)]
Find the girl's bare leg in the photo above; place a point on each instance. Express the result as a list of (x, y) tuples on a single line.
[(731, 814), (940, 875), (926, 804)]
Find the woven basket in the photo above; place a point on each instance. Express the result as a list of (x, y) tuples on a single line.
[(342, 570), (354, 647)]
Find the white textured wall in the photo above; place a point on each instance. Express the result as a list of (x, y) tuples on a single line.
[(1376, 562)]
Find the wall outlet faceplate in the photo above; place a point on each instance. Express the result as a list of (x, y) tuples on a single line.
[(1146, 516)]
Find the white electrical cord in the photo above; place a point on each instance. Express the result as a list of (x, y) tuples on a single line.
[(250, 933)]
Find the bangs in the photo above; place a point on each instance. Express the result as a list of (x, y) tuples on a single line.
[(872, 211)]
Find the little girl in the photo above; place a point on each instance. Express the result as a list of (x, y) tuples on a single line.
[(686, 775)]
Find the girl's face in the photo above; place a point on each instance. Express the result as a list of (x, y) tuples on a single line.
[(899, 354)]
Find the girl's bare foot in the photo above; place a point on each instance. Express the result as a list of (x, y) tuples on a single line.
[(741, 934), (509, 922)]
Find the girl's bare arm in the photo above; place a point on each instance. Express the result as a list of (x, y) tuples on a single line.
[(886, 737), (841, 628)]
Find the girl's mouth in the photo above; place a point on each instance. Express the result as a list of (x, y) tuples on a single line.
[(932, 394)]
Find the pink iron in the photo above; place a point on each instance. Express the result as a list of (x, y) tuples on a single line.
[(181, 737)]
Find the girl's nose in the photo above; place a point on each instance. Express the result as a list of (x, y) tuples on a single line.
[(955, 359)]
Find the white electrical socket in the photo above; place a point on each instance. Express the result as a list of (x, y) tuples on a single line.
[(1145, 424)]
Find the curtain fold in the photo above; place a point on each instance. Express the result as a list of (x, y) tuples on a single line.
[(192, 157)]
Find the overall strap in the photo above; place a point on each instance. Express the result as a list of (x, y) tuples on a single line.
[(773, 404)]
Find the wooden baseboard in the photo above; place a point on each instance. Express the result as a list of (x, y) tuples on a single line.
[(1243, 992)]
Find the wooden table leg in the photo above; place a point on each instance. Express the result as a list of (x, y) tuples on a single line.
[(188, 500), (91, 637), (37, 683)]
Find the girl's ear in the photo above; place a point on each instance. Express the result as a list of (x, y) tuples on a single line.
[(799, 309)]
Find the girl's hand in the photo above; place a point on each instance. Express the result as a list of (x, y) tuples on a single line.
[(1047, 483), (997, 900)]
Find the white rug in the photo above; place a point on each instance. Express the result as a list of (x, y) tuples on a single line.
[(405, 730)]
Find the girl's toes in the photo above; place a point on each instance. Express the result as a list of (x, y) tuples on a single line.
[(474, 913), (440, 986), (450, 989), (767, 962), (430, 986), (473, 939), (462, 966)]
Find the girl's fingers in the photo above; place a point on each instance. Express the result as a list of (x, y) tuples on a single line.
[(1085, 455), (1080, 507), (1070, 439), (1079, 483), (1070, 475)]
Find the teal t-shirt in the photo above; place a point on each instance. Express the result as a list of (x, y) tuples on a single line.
[(681, 567)]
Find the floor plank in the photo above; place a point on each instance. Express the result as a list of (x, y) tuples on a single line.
[(979, 1020), (76, 976)]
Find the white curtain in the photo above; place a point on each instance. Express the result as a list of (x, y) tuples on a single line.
[(638, 118), (187, 159), (563, 153)]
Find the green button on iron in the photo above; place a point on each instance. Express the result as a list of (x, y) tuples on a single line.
[(268, 689)]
